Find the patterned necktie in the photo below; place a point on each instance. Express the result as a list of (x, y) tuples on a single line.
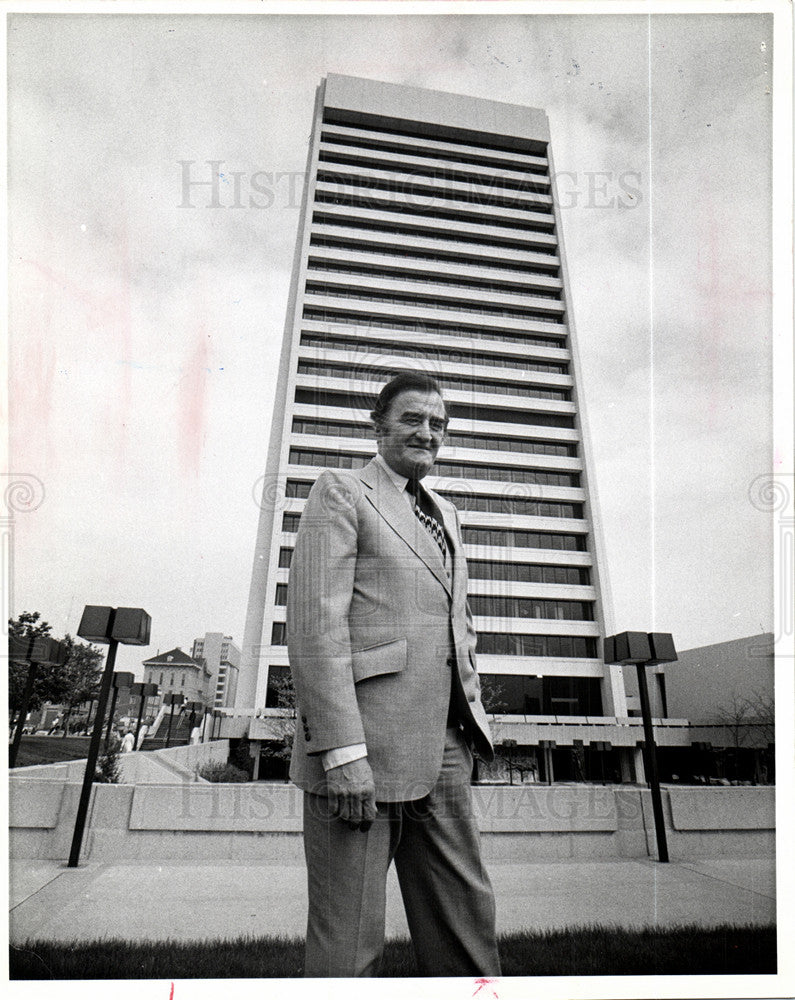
[(423, 509)]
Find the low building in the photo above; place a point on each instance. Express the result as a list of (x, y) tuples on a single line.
[(175, 672)]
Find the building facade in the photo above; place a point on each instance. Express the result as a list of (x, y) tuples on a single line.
[(175, 672), (220, 658), (430, 238)]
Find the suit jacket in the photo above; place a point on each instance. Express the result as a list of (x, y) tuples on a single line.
[(377, 634)]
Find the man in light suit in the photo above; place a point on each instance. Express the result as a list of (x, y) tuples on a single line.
[(382, 652)]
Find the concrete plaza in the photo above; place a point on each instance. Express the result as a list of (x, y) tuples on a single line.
[(191, 901)]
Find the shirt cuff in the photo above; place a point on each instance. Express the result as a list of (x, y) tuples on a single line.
[(342, 755)]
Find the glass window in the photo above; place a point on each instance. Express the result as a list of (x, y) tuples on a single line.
[(521, 695), (499, 643), (527, 607), (523, 539), (297, 488)]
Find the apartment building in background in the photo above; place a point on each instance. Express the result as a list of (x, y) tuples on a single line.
[(220, 658)]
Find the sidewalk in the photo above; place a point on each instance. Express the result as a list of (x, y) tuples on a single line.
[(188, 901)]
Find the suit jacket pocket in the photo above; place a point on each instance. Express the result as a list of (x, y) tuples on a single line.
[(385, 658)]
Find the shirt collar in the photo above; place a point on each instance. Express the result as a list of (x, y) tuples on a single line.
[(397, 479)]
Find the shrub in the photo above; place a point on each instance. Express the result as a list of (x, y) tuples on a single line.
[(216, 771), (108, 770)]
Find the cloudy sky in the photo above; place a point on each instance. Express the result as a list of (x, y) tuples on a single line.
[(146, 322)]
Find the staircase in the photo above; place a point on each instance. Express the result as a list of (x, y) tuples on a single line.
[(181, 729)]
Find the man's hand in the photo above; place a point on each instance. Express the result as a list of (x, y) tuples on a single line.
[(351, 793)]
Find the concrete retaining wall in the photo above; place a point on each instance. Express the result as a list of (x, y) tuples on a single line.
[(202, 821), (150, 766)]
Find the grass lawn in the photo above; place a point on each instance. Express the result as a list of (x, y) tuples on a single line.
[(58, 749), (589, 951), (51, 749)]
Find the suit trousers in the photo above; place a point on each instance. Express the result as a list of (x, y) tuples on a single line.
[(435, 844)]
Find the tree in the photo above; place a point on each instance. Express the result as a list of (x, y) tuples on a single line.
[(763, 713), (49, 683), (70, 684), (492, 696), (281, 746), (743, 718), (83, 674), (28, 625), (735, 717)]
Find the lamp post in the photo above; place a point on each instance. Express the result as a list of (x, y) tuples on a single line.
[(36, 651), (172, 698), (144, 691), (548, 746), (193, 707), (645, 649), (110, 626), (121, 679)]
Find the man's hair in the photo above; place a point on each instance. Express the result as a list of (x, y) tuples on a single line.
[(404, 382)]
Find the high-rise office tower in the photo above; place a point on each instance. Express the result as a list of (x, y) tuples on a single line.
[(430, 238)]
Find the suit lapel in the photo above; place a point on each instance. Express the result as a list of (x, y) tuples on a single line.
[(392, 507)]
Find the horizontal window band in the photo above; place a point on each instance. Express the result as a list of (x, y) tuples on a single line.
[(509, 572), (523, 446), (456, 256), (510, 537), (429, 327), (488, 606), (513, 572), (506, 504), (479, 503), (367, 373), (397, 228), (417, 185), (407, 208), (519, 694), (460, 172), (421, 301), (361, 345), (435, 132), (466, 411), (463, 159), (499, 643), (438, 280), (524, 539), (356, 460)]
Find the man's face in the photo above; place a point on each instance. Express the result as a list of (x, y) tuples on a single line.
[(412, 432)]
